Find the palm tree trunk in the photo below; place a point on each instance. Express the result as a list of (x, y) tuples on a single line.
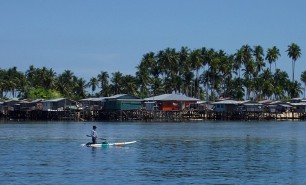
[(304, 90), (293, 66)]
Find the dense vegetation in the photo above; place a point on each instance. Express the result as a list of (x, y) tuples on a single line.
[(203, 73)]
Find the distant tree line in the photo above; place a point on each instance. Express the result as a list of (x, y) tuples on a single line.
[(203, 73)]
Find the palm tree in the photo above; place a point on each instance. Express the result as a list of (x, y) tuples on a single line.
[(157, 87), (210, 58), (103, 79), (248, 77), (280, 80), (129, 86), (168, 60), (156, 82), (12, 78), (303, 79), (80, 87), (272, 55), (196, 62), (93, 83), (249, 69), (238, 59), (258, 87), (205, 63), (23, 85), (66, 83), (143, 73), (45, 78), (267, 89), (267, 77), (184, 70), (50, 79), (4, 83), (246, 54), (225, 71), (259, 58), (294, 52), (235, 89), (295, 89), (30, 74), (117, 85), (213, 72)]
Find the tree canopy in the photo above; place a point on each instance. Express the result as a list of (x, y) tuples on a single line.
[(203, 73)]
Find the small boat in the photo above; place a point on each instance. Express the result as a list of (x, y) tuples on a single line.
[(106, 144)]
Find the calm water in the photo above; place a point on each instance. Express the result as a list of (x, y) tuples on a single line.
[(165, 153)]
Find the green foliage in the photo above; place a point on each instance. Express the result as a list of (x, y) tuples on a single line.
[(41, 93), (203, 73)]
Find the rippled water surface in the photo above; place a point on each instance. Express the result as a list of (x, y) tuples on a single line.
[(165, 153)]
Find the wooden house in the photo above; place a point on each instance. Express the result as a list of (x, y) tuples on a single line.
[(200, 106), (37, 104), (299, 105), (122, 102), (250, 106), (170, 102), (225, 106), (59, 104), (150, 105), (278, 107), (10, 105), (92, 103), (29, 105)]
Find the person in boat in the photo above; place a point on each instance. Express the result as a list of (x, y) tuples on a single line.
[(94, 135)]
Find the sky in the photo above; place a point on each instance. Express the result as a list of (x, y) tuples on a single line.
[(90, 36)]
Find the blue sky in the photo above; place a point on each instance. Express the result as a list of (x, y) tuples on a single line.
[(90, 36)]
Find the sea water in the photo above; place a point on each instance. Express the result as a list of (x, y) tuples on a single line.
[(165, 153)]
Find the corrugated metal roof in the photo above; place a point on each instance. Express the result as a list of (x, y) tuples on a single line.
[(171, 97), (277, 102), (251, 104), (122, 96), (298, 104), (265, 101), (285, 105), (37, 100), (94, 99), (116, 96), (227, 102), (54, 100), (58, 99), (130, 100)]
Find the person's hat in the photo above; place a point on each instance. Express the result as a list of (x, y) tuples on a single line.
[(94, 127)]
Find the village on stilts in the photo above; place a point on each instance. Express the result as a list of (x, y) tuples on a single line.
[(166, 107)]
